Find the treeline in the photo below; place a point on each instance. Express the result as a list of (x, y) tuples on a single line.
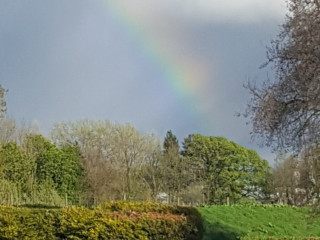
[(121, 163), (88, 162)]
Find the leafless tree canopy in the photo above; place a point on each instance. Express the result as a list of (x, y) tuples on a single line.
[(296, 179), (286, 111), (3, 108)]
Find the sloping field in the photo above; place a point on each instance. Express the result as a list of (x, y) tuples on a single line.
[(259, 222)]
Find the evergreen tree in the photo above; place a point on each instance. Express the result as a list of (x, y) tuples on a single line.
[(174, 168)]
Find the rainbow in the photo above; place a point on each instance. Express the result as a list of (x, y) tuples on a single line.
[(187, 76)]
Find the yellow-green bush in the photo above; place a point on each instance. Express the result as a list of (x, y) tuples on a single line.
[(23, 223), (109, 221), (193, 225)]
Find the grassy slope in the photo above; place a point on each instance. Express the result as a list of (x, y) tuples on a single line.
[(228, 222)]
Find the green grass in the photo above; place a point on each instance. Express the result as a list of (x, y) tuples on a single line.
[(258, 221)]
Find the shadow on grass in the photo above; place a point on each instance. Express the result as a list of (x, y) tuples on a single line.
[(194, 220), (217, 231), (39, 206)]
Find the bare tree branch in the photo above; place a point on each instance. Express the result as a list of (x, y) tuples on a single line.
[(285, 112)]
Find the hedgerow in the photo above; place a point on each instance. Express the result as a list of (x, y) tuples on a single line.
[(116, 220)]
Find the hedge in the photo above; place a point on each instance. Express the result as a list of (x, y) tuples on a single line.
[(116, 220)]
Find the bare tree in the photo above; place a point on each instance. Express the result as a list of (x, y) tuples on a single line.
[(10, 130), (115, 156), (94, 140), (132, 151), (3, 103), (151, 171), (286, 112), (296, 179), (286, 179), (7, 130), (309, 169)]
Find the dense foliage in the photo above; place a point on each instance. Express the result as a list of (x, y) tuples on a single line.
[(38, 172), (90, 162), (111, 221), (226, 169)]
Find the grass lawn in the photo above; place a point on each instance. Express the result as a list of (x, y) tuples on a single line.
[(230, 222)]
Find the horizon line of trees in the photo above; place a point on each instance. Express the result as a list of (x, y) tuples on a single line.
[(87, 162)]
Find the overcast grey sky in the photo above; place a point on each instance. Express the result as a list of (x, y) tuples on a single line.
[(158, 64)]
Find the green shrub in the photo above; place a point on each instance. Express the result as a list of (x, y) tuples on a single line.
[(21, 223), (193, 225), (117, 220)]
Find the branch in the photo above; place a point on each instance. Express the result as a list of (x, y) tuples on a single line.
[(318, 4)]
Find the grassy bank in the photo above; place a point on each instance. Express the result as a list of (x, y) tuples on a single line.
[(258, 222)]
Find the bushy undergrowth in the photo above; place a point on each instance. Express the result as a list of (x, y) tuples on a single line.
[(116, 220)]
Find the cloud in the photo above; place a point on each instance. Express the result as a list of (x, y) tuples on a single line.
[(233, 10), (230, 11)]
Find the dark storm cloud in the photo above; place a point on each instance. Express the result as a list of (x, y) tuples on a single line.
[(66, 60)]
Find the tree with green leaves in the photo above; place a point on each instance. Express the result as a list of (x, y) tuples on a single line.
[(173, 168), (15, 171), (226, 169), (14, 164), (170, 142), (56, 168)]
